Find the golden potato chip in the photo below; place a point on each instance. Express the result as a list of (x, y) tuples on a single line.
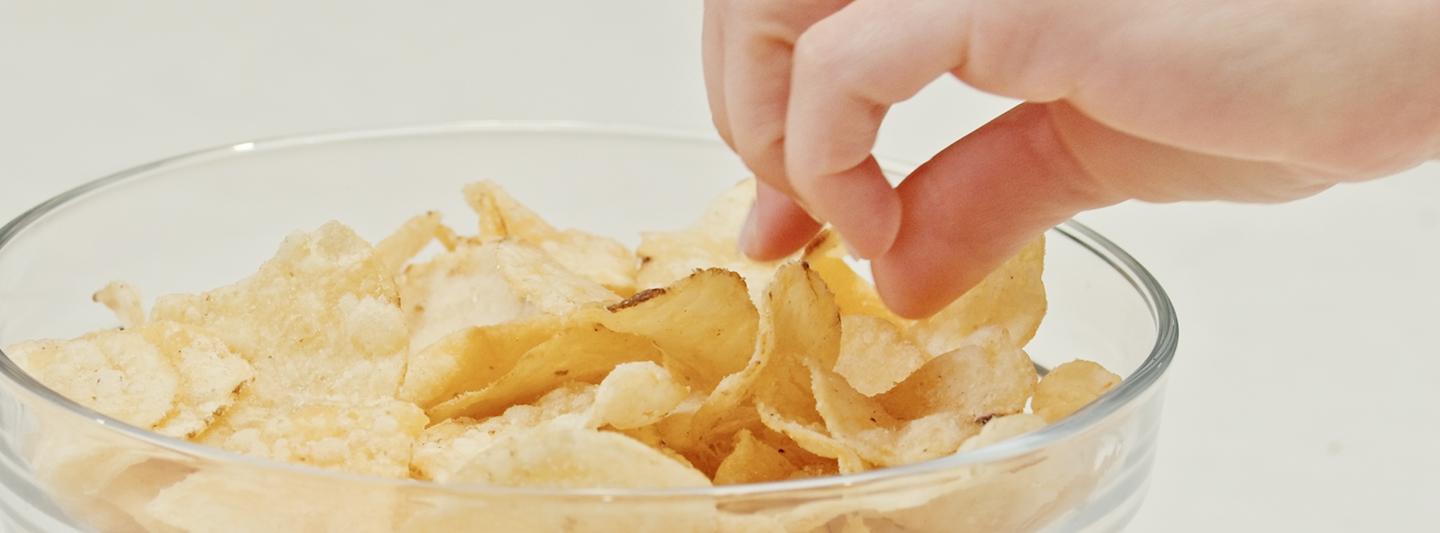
[(875, 354), (322, 316), (854, 295), (991, 377), (246, 500), (862, 424), (711, 242), (635, 395), (371, 437), (602, 260), (446, 447), (407, 240), (117, 373), (753, 461), (1069, 387), (584, 352), (704, 323), (1011, 297), (564, 456), (1003, 428), (210, 376), (123, 300), (472, 358), (488, 284)]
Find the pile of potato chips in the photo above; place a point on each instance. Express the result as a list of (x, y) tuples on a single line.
[(526, 355)]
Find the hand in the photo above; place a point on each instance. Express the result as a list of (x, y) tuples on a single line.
[(1156, 100)]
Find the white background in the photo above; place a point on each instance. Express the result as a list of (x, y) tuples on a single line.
[(1303, 397)]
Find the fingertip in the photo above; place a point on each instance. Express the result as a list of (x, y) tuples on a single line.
[(776, 226), (859, 203), (909, 291)]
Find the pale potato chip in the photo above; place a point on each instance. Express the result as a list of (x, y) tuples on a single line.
[(245, 500), (372, 437), (753, 461), (711, 242), (1069, 387), (132, 491), (1012, 297), (322, 316), (600, 259), (1003, 428), (486, 285), (564, 456), (584, 352), (812, 437), (446, 447), (806, 331), (210, 376), (408, 240), (704, 323), (862, 424), (635, 395), (990, 377), (875, 354), (117, 373), (123, 300), (473, 358)]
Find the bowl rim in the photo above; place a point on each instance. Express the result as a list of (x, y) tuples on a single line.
[(1145, 377)]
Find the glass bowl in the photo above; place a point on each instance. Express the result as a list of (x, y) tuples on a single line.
[(204, 219)]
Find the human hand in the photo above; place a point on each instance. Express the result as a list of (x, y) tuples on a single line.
[(1156, 100)]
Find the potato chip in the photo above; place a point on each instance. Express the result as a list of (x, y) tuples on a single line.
[(565, 456), (446, 447), (132, 491), (1012, 297), (813, 438), (488, 284), (322, 316), (991, 377), (862, 424), (753, 461), (602, 260), (117, 373), (372, 437), (210, 376), (473, 358), (1069, 387), (585, 352), (123, 300), (704, 323), (854, 295), (711, 242), (407, 240), (635, 395), (246, 500), (806, 326), (875, 355)]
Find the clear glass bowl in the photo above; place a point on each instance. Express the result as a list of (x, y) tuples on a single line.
[(207, 218)]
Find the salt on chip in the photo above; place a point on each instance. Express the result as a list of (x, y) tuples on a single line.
[(863, 425), (472, 358), (565, 456), (636, 394), (210, 376), (408, 240), (753, 461), (117, 373), (372, 437), (1069, 387), (1011, 297), (123, 300), (444, 448), (584, 352), (600, 259), (875, 354), (488, 284), (711, 242), (704, 323), (991, 377), (321, 316)]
